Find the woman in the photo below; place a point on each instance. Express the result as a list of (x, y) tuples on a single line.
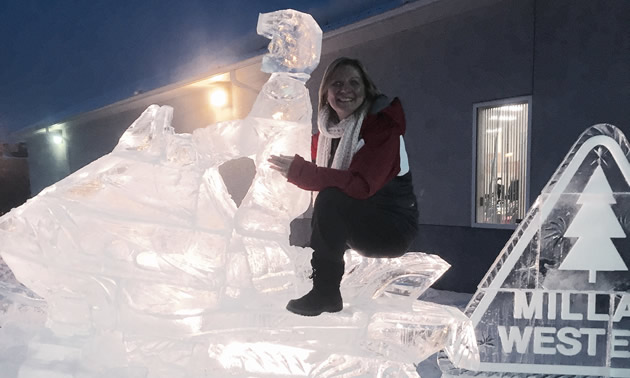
[(366, 200)]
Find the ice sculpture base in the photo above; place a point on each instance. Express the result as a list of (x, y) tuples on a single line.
[(380, 329)]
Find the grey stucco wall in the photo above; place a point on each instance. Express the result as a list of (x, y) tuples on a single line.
[(582, 76), (48, 162), (439, 70), (571, 56)]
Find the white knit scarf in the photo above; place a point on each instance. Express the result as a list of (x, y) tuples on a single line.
[(347, 129)]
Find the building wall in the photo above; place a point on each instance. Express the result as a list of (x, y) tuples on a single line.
[(571, 56), (14, 182), (48, 162), (89, 136), (439, 70), (458, 56), (582, 76), (441, 58)]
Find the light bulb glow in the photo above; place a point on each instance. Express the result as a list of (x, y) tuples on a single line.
[(218, 98)]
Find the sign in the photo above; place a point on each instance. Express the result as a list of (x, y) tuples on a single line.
[(557, 299)]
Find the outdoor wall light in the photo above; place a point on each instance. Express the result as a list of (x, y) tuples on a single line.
[(56, 137), (219, 96)]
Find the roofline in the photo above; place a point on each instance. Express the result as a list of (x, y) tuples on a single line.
[(331, 34), (124, 103), (414, 5)]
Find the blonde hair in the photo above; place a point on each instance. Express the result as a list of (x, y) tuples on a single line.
[(371, 92)]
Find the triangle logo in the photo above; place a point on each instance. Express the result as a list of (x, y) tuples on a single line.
[(556, 301)]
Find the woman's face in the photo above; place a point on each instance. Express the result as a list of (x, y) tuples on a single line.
[(346, 91)]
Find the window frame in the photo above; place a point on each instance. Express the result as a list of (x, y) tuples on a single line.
[(473, 205)]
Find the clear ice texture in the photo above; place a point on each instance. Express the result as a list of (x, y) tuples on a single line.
[(296, 41), (556, 301), (141, 265)]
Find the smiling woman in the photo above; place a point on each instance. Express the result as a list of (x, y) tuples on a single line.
[(346, 91), (366, 200)]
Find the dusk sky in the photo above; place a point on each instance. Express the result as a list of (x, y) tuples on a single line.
[(59, 58)]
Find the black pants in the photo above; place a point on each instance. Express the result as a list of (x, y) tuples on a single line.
[(372, 227)]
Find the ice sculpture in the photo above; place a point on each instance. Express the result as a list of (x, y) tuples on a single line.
[(556, 302), (145, 267)]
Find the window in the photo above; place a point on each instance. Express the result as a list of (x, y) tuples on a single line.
[(501, 164)]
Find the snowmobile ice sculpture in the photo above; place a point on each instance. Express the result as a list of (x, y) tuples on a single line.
[(146, 267)]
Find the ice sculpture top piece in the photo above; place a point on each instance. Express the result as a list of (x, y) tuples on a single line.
[(296, 41), (557, 299)]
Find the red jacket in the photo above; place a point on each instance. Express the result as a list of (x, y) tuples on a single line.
[(373, 165)]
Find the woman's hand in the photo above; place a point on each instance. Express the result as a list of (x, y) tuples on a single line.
[(280, 163)]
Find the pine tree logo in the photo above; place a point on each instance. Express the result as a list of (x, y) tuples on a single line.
[(594, 225)]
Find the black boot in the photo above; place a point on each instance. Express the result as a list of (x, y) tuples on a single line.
[(325, 295)]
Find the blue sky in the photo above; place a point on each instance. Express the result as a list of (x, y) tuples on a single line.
[(63, 57)]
